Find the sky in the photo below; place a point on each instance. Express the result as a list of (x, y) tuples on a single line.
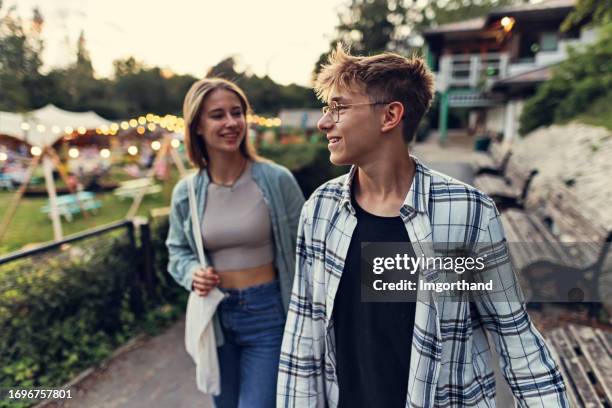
[(280, 38)]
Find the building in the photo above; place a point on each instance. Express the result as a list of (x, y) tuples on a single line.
[(492, 64)]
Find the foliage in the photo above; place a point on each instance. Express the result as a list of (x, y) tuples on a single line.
[(576, 84), (368, 27), (590, 12), (20, 60), (309, 163), (63, 313), (265, 95), (60, 315), (599, 113)]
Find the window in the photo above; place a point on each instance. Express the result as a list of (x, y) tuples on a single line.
[(548, 41)]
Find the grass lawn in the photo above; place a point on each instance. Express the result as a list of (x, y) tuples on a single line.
[(29, 225)]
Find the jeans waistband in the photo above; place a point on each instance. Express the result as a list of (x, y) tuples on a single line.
[(256, 290)]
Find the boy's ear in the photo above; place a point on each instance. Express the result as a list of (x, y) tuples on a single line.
[(393, 115)]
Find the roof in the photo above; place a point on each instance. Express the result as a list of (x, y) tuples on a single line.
[(466, 25), (47, 124), (531, 7), (476, 24), (532, 77)]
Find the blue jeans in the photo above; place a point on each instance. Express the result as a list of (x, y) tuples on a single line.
[(252, 320)]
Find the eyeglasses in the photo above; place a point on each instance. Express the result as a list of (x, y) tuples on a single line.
[(335, 108)]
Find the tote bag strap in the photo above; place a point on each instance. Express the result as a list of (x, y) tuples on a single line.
[(195, 221)]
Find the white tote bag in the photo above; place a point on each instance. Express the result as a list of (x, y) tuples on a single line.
[(199, 332)]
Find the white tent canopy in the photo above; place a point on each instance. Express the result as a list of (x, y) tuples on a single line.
[(45, 126)]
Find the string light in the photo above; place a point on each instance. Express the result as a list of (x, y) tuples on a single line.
[(36, 151), (105, 153), (155, 145), (175, 143), (73, 152), (133, 150)]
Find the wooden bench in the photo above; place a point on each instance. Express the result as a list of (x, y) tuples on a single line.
[(584, 355), (563, 248), (509, 191), (499, 156)]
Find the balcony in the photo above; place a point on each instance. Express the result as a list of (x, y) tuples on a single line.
[(470, 70)]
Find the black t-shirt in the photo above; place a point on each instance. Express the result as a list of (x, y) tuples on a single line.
[(373, 340)]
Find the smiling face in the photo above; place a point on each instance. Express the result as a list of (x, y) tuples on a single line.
[(356, 135), (222, 122)]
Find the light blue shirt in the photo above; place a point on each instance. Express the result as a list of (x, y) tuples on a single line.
[(284, 199)]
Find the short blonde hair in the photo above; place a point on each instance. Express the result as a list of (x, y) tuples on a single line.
[(385, 77), (192, 112)]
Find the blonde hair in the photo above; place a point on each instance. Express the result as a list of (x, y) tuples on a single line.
[(385, 77), (192, 112)]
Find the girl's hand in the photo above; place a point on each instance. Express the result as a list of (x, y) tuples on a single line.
[(204, 280)]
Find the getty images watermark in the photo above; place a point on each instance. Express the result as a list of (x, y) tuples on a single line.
[(400, 272)]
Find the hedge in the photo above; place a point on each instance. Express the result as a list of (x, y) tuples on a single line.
[(61, 314)]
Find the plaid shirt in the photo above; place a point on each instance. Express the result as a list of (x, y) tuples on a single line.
[(450, 364)]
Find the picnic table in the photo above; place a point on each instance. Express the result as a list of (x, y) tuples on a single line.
[(132, 188), (6, 182), (70, 204)]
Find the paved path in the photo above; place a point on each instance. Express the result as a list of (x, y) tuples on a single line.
[(157, 373)]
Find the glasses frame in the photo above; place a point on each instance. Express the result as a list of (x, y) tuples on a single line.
[(335, 107)]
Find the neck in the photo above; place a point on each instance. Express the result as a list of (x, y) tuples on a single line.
[(387, 173), (225, 168)]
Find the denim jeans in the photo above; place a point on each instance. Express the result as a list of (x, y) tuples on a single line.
[(252, 320)]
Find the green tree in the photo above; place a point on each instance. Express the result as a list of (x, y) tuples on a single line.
[(20, 59), (577, 83), (368, 27), (593, 12)]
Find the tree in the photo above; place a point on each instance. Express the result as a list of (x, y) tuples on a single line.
[(592, 12), (128, 66), (576, 84), (368, 27), (20, 60)]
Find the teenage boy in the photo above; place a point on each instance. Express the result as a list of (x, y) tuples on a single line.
[(340, 351)]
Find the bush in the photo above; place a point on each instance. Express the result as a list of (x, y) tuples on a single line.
[(309, 163), (60, 315), (62, 312), (578, 82)]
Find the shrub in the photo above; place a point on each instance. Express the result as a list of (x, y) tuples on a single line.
[(583, 78), (64, 311), (309, 163)]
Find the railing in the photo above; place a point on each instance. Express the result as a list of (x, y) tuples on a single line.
[(471, 70), (137, 225)]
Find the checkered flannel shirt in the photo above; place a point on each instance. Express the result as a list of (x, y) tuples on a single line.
[(450, 364)]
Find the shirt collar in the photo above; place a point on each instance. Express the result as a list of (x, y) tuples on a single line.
[(417, 199)]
